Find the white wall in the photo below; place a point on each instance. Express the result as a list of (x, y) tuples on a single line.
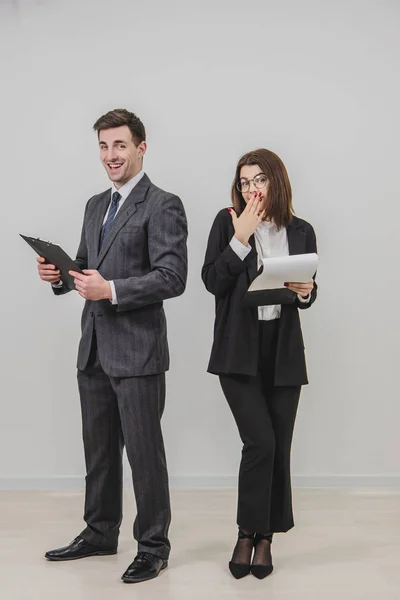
[(316, 82)]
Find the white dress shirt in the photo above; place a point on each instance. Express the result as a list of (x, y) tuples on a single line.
[(124, 191), (270, 242)]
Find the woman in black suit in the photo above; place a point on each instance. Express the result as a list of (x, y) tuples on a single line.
[(258, 350)]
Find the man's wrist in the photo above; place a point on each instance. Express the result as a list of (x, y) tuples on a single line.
[(108, 292)]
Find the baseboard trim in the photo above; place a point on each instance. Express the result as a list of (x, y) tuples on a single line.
[(208, 482), (384, 481)]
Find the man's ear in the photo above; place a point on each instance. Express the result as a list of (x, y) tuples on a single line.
[(142, 147)]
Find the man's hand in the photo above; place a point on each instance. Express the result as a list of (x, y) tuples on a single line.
[(301, 288), (91, 285), (48, 273)]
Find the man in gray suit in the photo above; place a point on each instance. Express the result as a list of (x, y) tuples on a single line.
[(133, 256)]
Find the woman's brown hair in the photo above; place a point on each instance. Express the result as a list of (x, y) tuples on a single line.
[(279, 207)]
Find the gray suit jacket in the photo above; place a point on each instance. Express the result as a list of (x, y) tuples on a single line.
[(145, 254)]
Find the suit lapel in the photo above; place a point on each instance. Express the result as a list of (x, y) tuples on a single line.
[(296, 237), (129, 207), (96, 221), (253, 262)]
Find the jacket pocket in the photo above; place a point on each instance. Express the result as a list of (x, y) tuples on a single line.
[(130, 229)]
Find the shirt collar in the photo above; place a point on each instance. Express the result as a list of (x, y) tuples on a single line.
[(126, 189), (267, 225)]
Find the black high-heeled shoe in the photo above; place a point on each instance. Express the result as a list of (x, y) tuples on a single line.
[(237, 569), (262, 571)]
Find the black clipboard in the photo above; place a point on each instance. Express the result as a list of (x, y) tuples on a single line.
[(55, 255)]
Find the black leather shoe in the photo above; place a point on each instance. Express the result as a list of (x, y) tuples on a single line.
[(145, 566), (78, 548)]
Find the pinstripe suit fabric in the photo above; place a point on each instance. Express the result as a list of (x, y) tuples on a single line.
[(122, 359)]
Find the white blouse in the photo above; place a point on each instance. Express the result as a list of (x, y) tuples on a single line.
[(270, 242)]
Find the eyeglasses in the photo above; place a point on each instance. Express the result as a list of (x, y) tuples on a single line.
[(260, 181)]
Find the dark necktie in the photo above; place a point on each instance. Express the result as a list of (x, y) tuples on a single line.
[(110, 217)]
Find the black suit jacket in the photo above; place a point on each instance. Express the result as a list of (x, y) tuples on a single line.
[(144, 253), (235, 347)]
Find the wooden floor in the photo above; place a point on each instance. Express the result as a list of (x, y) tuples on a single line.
[(346, 545)]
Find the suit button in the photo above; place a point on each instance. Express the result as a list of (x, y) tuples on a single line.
[(91, 313), (100, 315)]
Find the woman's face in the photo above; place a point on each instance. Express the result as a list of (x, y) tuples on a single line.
[(254, 182)]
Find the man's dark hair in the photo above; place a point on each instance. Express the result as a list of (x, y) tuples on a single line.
[(120, 117)]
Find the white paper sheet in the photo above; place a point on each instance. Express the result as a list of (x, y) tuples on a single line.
[(277, 271)]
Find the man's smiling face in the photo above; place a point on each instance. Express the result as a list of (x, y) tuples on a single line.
[(121, 158)]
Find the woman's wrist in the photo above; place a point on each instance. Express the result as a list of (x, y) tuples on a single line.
[(242, 239)]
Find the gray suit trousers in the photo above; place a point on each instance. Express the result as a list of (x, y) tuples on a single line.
[(118, 412)]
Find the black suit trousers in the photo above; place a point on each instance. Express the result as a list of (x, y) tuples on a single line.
[(118, 412), (265, 415)]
